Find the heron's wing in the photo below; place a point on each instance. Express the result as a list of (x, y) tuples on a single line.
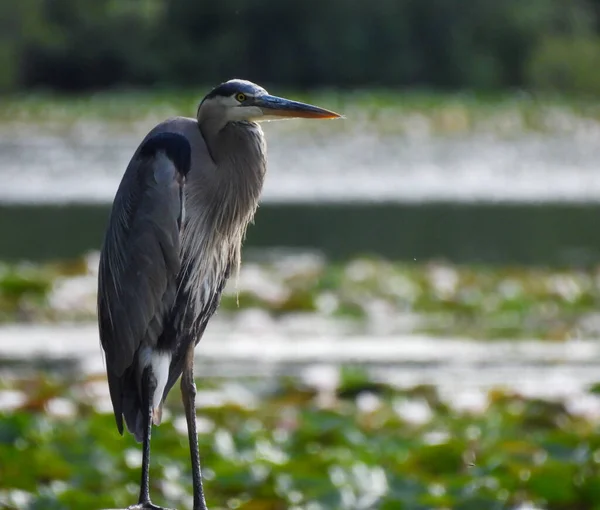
[(139, 262)]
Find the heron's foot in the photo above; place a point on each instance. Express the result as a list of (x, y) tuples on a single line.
[(147, 506)]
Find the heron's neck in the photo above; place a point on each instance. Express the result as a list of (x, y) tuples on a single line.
[(229, 195), (232, 140), (240, 152), (220, 202)]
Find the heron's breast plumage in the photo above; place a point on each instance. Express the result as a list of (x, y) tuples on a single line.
[(221, 197), (205, 261)]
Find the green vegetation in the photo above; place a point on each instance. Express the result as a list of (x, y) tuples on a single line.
[(383, 112), (283, 447), (479, 302), (479, 45)]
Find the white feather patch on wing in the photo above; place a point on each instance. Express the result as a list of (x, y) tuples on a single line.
[(159, 363)]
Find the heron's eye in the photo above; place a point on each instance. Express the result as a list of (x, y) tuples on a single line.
[(240, 97)]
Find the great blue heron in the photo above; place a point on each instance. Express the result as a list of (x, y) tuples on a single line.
[(174, 237)]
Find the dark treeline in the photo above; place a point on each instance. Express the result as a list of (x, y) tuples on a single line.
[(74, 45)]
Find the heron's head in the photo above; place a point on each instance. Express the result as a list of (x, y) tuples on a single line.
[(241, 100)]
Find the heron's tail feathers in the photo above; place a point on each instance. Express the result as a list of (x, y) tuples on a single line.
[(132, 412), (135, 420), (157, 414), (133, 408)]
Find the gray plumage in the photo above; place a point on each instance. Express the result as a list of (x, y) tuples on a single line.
[(174, 237), (220, 202)]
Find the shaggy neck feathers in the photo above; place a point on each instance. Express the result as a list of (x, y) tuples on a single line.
[(222, 203)]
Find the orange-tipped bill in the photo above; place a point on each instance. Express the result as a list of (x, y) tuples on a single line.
[(280, 107)]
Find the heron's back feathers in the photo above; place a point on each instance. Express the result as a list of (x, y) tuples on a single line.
[(140, 258)]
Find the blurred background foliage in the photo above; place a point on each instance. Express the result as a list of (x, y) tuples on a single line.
[(415, 325), (69, 45)]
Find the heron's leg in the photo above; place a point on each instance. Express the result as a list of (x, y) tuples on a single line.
[(188, 393), (148, 387)]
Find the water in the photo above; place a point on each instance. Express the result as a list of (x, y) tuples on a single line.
[(336, 161), (523, 198), (551, 234), (462, 369), (389, 187)]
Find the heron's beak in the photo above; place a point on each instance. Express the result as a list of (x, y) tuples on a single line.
[(280, 107)]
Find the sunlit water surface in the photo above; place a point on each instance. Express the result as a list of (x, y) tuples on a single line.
[(313, 350), (336, 161)]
